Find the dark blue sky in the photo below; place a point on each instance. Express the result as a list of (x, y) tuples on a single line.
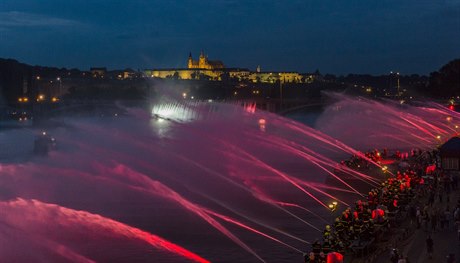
[(334, 36)]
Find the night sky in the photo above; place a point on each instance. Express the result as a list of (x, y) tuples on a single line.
[(340, 37)]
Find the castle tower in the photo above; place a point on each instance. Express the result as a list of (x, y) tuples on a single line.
[(203, 61), (190, 60)]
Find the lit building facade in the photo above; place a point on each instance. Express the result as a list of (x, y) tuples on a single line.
[(274, 77), (204, 63), (98, 72), (215, 70), (184, 74)]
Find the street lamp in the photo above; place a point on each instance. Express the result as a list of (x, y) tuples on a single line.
[(333, 206), (23, 99), (60, 86), (281, 92), (392, 74), (40, 97)]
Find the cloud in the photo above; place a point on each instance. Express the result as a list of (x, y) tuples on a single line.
[(21, 19)]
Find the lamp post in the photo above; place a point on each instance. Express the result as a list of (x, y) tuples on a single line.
[(333, 206), (60, 86), (392, 75), (281, 95)]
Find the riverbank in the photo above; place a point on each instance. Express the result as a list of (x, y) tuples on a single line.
[(409, 238), (415, 202), (413, 246)]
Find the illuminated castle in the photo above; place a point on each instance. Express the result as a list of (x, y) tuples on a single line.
[(204, 63), (204, 69)]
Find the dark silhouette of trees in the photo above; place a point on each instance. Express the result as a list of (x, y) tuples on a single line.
[(445, 83), (12, 76)]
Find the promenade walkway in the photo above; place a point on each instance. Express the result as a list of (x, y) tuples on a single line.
[(414, 245), (429, 196)]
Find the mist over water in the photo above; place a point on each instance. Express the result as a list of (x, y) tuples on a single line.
[(199, 182), (16, 144), (367, 124)]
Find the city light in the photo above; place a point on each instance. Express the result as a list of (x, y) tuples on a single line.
[(262, 123), (173, 112), (23, 99), (333, 206)]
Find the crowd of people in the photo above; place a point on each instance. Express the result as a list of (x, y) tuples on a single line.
[(364, 224), (366, 159)]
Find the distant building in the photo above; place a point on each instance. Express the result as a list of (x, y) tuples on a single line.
[(98, 72), (180, 73), (204, 63), (274, 77), (239, 74), (450, 154), (127, 74)]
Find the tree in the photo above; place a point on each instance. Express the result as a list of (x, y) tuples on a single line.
[(445, 83), (176, 75)]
